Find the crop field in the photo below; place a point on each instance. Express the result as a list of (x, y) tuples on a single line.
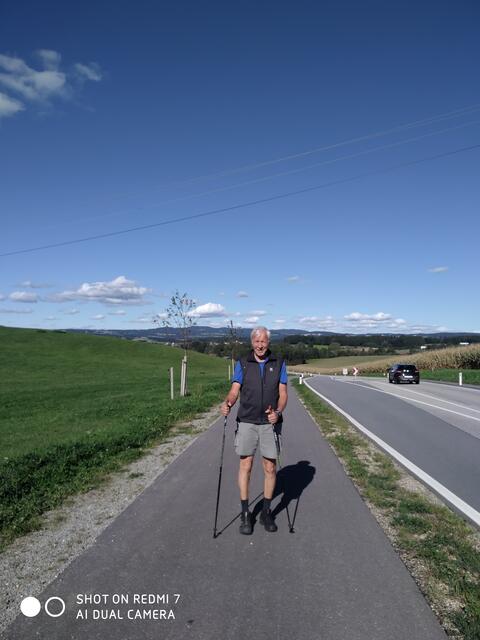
[(454, 358), (341, 361), (74, 406)]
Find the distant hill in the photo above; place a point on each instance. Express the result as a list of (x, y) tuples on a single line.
[(162, 334)]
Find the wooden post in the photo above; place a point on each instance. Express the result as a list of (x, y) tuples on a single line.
[(229, 374)]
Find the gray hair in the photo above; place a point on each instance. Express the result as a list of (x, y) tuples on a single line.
[(258, 330)]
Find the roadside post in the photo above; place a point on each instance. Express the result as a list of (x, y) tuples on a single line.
[(345, 371), (171, 384), (229, 375), (460, 378)]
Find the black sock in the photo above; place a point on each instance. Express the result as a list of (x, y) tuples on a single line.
[(244, 505), (266, 503)]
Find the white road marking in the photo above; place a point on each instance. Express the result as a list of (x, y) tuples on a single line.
[(426, 395), (439, 488), (427, 404)]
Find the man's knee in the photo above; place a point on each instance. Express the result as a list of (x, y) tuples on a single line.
[(269, 466), (246, 463)]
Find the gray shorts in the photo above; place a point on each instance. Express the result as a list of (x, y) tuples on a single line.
[(249, 436)]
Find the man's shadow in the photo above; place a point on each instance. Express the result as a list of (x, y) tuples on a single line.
[(291, 482)]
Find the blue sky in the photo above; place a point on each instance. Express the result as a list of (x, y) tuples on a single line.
[(122, 115)]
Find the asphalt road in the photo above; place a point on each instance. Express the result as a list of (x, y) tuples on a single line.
[(437, 427), (336, 578)]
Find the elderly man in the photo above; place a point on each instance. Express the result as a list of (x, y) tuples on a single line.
[(261, 380)]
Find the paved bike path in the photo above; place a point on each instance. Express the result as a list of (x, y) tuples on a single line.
[(336, 578)]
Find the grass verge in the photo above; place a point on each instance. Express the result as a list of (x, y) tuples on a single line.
[(441, 551)]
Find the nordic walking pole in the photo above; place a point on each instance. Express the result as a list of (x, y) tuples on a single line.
[(220, 477), (277, 445)]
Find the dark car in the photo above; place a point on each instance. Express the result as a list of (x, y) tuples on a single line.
[(404, 373)]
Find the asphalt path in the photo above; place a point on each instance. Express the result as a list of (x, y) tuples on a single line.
[(336, 577), (437, 427)]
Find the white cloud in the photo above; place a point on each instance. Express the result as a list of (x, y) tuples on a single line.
[(9, 106), (438, 269), (71, 312), (23, 296), (90, 71), (317, 322), (208, 310), (99, 316), (293, 279), (118, 291), (242, 294), (117, 312), (40, 86), (16, 310), (258, 312), (366, 318), (50, 59), (143, 320), (29, 83), (252, 320), (34, 285)]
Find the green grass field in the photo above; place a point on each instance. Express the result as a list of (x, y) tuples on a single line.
[(470, 376), (74, 406)]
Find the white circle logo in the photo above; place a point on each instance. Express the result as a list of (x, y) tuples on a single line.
[(55, 615), (30, 607)]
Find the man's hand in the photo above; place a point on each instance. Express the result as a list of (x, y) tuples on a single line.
[(225, 408), (271, 415)]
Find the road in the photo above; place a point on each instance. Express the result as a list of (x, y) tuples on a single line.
[(336, 578), (436, 427)]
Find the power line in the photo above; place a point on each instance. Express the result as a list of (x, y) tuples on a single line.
[(242, 205), (456, 113), (282, 173)]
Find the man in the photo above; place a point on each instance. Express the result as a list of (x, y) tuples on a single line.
[(262, 379)]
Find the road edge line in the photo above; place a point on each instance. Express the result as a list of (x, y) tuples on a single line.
[(460, 505)]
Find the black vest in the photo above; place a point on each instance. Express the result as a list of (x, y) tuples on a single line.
[(259, 393)]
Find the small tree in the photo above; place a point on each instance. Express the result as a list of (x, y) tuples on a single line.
[(179, 314), (232, 342)]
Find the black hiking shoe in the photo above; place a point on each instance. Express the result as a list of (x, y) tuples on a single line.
[(268, 522), (246, 523)]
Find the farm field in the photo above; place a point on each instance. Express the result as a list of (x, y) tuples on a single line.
[(439, 364), (74, 406), (343, 361)]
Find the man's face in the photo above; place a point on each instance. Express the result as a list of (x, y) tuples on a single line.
[(260, 343)]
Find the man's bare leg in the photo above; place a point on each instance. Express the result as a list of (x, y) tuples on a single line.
[(270, 471), (244, 472), (266, 518)]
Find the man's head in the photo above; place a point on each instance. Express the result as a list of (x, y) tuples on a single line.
[(260, 338)]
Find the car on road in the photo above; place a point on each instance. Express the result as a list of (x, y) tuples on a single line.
[(403, 373)]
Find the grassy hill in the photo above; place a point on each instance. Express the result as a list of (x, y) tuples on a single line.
[(74, 406)]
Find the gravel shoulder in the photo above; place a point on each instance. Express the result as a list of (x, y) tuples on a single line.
[(33, 561)]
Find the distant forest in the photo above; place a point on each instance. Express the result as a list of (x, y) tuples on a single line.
[(297, 349)]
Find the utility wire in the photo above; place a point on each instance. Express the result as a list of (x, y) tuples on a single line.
[(280, 174), (457, 113), (242, 205)]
